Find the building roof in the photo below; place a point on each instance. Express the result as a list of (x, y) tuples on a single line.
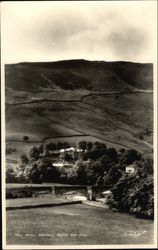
[(70, 149), (61, 163), (62, 150), (131, 166)]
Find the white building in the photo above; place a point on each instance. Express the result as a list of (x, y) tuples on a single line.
[(72, 149), (61, 164), (74, 152), (131, 169)]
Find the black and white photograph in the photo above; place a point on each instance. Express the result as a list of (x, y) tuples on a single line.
[(78, 99)]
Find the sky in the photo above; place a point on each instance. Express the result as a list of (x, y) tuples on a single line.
[(93, 30)]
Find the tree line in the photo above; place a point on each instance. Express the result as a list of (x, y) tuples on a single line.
[(98, 165)]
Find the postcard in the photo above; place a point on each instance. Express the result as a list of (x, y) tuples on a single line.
[(79, 124)]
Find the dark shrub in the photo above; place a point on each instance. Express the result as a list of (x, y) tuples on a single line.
[(25, 138), (94, 154), (129, 156), (134, 195)]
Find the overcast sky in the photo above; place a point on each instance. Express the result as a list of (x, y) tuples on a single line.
[(106, 30)]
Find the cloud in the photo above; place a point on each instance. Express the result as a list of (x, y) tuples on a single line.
[(127, 42), (122, 30)]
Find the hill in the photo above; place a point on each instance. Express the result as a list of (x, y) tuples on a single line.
[(77, 99)]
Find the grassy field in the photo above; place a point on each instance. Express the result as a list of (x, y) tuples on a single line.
[(45, 199), (76, 224)]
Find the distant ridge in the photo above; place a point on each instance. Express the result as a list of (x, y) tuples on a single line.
[(80, 73), (74, 61)]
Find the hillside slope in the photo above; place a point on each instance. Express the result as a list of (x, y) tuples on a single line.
[(78, 99)]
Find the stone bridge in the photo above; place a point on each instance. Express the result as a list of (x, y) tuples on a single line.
[(89, 191)]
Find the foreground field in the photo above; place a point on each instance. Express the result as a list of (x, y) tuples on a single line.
[(76, 224), (47, 199)]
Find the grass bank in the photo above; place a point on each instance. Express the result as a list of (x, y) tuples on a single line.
[(76, 224)]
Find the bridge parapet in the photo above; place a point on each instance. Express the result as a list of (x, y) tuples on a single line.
[(89, 191)]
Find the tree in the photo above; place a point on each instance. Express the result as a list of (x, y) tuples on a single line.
[(46, 149), (51, 147), (66, 145), (34, 153), (96, 145), (122, 150), (99, 145), (81, 175), (112, 153), (94, 154), (93, 171), (43, 171), (72, 176), (129, 156), (112, 176), (106, 163), (59, 145), (10, 176), (89, 146), (148, 165), (24, 159), (134, 195), (90, 174), (82, 145), (68, 157), (25, 138), (33, 173), (40, 149)]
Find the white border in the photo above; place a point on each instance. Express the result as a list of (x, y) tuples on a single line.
[(4, 245)]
